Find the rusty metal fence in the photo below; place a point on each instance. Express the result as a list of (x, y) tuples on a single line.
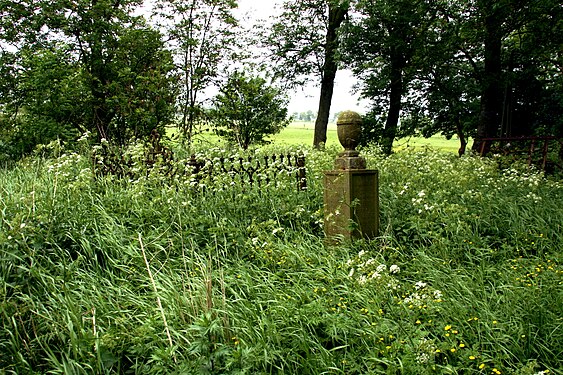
[(535, 150)]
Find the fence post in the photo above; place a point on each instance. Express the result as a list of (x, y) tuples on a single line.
[(351, 198), (301, 173)]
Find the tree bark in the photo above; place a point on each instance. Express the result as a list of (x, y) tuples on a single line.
[(491, 94), (100, 112), (461, 135), (337, 14), (395, 95), (323, 114)]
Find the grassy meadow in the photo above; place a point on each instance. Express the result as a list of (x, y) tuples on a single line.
[(301, 133), (159, 275)]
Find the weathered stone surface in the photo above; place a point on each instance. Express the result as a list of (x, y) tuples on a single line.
[(351, 202), (347, 163), (351, 197), (349, 129)]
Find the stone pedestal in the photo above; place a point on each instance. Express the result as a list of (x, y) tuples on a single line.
[(351, 196), (351, 201)]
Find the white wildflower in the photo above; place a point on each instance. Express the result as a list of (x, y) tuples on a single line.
[(394, 269), (276, 230), (376, 275), (423, 358), (420, 285)]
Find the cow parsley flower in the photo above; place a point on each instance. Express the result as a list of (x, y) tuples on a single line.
[(420, 285)]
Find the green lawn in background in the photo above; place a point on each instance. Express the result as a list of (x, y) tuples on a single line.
[(303, 132)]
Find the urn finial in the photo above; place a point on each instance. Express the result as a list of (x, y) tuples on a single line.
[(349, 128)]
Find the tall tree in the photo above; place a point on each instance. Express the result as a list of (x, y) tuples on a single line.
[(493, 15), (504, 45), (203, 34), (304, 41), (118, 62), (385, 45), (450, 81)]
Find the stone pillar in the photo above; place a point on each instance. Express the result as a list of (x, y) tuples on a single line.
[(351, 198)]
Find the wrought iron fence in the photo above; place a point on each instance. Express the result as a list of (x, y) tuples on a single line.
[(156, 158)]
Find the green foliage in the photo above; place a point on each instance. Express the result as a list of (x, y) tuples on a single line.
[(82, 66), (295, 41), (49, 101), (203, 35), (247, 110), (303, 41), (143, 92), (473, 68), (153, 275), (385, 46)]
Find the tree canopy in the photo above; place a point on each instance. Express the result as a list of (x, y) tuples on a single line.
[(247, 110), (84, 65), (471, 68), (203, 36), (304, 42)]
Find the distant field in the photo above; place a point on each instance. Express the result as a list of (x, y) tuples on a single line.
[(303, 132)]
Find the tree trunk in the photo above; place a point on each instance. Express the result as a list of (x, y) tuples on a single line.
[(462, 139), (491, 94), (100, 113), (323, 114), (395, 95), (337, 14)]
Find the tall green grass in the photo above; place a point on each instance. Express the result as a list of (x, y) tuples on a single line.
[(157, 276)]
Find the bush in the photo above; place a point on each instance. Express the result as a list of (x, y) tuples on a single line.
[(247, 110)]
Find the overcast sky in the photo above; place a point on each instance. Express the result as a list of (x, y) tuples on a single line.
[(308, 97)]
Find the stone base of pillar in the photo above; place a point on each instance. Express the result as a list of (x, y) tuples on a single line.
[(351, 202)]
